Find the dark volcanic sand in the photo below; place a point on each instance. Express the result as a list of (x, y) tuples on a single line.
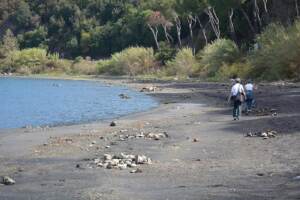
[(223, 164)]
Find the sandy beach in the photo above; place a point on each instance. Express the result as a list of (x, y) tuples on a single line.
[(205, 154)]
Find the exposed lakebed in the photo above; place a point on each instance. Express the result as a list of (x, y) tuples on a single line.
[(42, 102)]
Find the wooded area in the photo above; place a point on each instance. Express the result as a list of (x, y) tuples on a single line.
[(100, 28)]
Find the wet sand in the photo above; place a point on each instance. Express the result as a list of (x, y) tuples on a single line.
[(206, 155)]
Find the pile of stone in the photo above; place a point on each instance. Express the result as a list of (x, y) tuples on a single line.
[(121, 161), (152, 136), (265, 135)]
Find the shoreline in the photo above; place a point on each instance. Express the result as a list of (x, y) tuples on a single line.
[(205, 154)]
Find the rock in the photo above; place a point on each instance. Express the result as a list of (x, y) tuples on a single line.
[(264, 134), (249, 134), (195, 140), (122, 166), (141, 159), (115, 162), (6, 180), (113, 124), (107, 147), (135, 171), (108, 157), (124, 96), (93, 142)]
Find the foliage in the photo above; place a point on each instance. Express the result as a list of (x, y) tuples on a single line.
[(278, 54), (32, 61), (34, 38), (9, 44), (86, 67), (183, 65), (165, 53), (216, 54), (131, 61), (238, 69)]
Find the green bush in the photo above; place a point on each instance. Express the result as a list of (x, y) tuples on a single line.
[(278, 53), (131, 61), (86, 67), (165, 53), (28, 60), (33, 61), (183, 65), (239, 69), (216, 54)]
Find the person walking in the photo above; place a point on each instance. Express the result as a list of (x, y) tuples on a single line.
[(249, 87), (237, 96)]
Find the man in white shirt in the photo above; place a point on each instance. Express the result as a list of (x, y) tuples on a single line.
[(237, 95)]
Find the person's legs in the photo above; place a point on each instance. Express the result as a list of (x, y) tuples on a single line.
[(239, 110), (236, 109), (249, 104)]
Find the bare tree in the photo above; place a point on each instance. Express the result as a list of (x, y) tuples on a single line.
[(154, 21), (167, 25), (214, 21), (297, 8), (203, 29), (231, 25), (256, 14), (192, 21), (178, 29)]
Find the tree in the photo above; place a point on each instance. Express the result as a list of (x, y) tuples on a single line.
[(9, 44)]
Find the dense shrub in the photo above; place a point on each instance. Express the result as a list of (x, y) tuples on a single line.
[(239, 69), (131, 61), (165, 53), (86, 67), (33, 61), (183, 64), (278, 53), (216, 54), (28, 60)]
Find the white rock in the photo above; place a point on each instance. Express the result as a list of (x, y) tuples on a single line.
[(6, 180), (107, 157)]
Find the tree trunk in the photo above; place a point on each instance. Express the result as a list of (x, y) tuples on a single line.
[(214, 21), (231, 25), (267, 16), (167, 35), (178, 28), (248, 20), (154, 31), (203, 31), (191, 21), (256, 14)]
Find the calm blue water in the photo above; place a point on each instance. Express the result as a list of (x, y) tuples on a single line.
[(41, 102)]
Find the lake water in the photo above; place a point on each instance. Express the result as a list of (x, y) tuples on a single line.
[(41, 102)]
